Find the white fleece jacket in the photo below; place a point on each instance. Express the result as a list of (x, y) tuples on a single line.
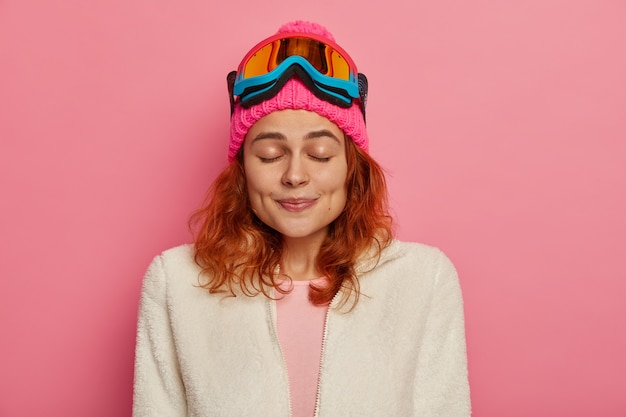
[(399, 353)]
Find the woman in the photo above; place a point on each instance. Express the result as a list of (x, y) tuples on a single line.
[(295, 299)]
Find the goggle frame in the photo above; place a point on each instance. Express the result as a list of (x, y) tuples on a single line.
[(255, 89)]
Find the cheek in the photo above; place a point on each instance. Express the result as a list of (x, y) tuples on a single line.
[(343, 188), (252, 188), (254, 199), (336, 181), (343, 198), (257, 189)]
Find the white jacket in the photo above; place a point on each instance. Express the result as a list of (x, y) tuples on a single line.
[(400, 352)]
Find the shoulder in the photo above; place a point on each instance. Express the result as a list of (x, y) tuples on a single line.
[(173, 266), (179, 256), (414, 253), (411, 260), (412, 248)]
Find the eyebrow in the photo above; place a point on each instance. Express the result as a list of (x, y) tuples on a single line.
[(322, 133), (311, 135), (269, 135)]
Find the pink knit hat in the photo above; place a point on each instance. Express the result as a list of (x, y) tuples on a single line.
[(295, 95)]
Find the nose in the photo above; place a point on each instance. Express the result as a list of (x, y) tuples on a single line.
[(296, 174)]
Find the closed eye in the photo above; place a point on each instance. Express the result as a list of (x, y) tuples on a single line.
[(268, 160), (320, 158)]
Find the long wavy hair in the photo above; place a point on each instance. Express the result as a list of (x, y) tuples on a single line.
[(238, 253)]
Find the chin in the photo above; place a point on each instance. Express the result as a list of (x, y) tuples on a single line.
[(295, 232)]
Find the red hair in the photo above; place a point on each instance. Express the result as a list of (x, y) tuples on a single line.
[(237, 251)]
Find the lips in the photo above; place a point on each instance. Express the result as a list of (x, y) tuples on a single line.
[(296, 204)]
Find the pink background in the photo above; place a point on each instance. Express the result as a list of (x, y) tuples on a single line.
[(502, 125)]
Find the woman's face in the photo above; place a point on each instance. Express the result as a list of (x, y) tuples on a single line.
[(296, 169)]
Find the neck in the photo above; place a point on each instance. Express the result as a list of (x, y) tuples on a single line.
[(299, 256)]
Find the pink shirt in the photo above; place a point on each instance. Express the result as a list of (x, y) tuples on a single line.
[(300, 327)]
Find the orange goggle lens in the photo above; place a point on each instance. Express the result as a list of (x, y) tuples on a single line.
[(325, 58)]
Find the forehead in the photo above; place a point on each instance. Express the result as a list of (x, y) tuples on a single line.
[(293, 124)]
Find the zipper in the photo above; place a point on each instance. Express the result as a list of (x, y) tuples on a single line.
[(271, 306), (319, 372)]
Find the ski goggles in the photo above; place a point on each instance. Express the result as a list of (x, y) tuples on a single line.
[(325, 68)]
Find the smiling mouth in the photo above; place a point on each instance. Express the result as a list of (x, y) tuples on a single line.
[(296, 205)]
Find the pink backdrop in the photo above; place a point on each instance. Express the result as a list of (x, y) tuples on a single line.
[(502, 125)]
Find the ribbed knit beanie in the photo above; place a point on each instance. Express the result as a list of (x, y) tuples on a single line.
[(295, 95)]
